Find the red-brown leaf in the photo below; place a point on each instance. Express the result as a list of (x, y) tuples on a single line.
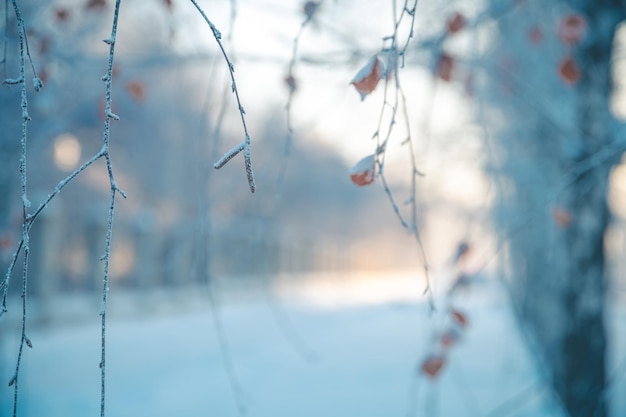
[(572, 29), (445, 67), (5, 241), (363, 172), (569, 71), (562, 217), (62, 14), (459, 317), (136, 90), (449, 338), (455, 23), (366, 80), (43, 75), (95, 4), (432, 366)]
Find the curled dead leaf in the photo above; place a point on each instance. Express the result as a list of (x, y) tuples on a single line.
[(136, 90), (432, 366), (569, 71), (445, 67), (95, 4), (455, 23), (562, 217), (61, 14), (449, 338), (572, 28), (366, 80), (5, 241), (459, 318), (363, 172)]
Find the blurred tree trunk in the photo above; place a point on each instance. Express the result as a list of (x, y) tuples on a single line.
[(557, 257)]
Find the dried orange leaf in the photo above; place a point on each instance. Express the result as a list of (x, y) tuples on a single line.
[(455, 23), (449, 338), (433, 365), (572, 29), (562, 217), (5, 241), (569, 71), (366, 80), (136, 90), (445, 67), (62, 14), (459, 317), (363, 172), (95, 4)]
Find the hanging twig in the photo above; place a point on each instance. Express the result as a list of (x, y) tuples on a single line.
[(24, 340), (106, 258), (245, 145)]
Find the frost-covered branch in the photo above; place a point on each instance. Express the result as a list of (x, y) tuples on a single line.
[(24, 340), (106, 258), (31, 218), (385, 65), (245, 145)]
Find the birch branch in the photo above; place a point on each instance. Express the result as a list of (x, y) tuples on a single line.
[(245, 145)]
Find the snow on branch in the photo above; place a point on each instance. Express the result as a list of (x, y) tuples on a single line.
[(245, 145)]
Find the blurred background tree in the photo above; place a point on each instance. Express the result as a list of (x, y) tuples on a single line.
[(555, 141)]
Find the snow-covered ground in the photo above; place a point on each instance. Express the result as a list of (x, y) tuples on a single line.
[(322, 350)]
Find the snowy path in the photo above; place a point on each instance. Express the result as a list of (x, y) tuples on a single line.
[(365, 360)]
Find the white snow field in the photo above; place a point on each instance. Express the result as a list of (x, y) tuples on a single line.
[(351, 348)]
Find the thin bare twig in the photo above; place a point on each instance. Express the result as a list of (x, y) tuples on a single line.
[(394, 54), (245, 145), (24, 340), (4, 285), (109, 115)]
